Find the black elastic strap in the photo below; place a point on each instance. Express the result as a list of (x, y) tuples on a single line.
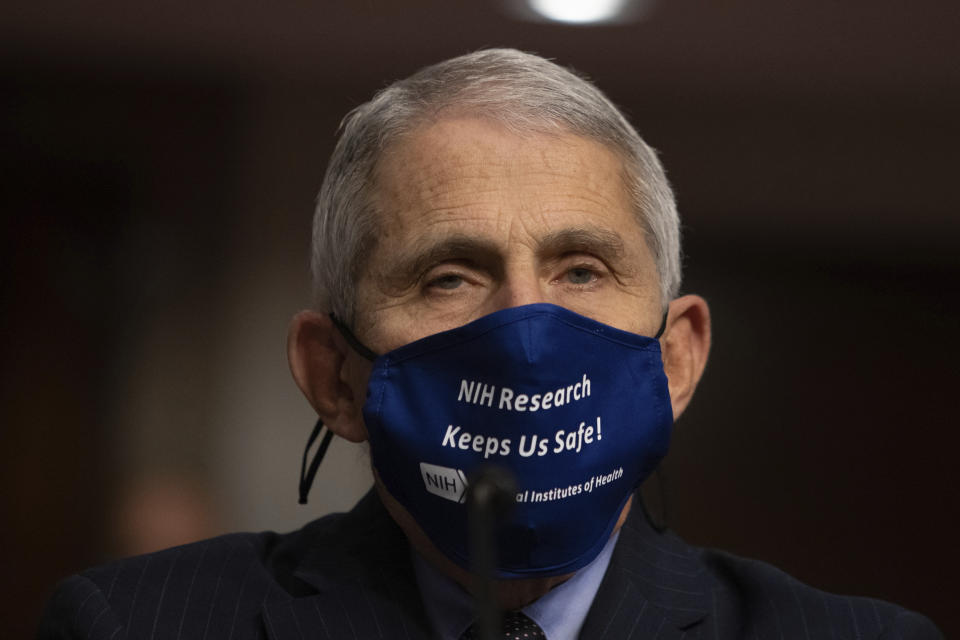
[(307, 475), (352, 340), (663, 325)]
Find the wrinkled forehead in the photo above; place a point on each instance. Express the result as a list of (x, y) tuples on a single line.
[(475, 192), (458, 165)]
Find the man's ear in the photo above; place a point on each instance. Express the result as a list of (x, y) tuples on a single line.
[(325, 369), (685, 345)]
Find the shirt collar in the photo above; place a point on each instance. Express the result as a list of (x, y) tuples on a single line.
[(560, 612)]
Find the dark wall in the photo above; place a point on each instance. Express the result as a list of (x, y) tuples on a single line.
[(821, 437), (116, 193)]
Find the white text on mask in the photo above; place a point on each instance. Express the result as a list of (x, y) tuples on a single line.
[(480, 393)]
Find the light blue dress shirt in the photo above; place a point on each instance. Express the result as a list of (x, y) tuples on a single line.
[(560, 612)]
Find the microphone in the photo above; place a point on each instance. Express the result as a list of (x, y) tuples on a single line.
[(490, 496)]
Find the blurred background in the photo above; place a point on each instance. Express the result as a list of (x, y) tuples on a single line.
[(160, 162)]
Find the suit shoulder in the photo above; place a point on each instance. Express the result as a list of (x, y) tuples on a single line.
[(184, 591), (763, 598), (78, 609), (909, 625), (203, 562)]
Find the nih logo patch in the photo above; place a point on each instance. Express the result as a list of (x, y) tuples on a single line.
[(444, 482)]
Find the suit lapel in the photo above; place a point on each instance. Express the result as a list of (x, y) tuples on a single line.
[(655, 586), (364, 580)]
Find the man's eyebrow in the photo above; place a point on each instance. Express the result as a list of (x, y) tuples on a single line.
[(408, 265), (605, 243)]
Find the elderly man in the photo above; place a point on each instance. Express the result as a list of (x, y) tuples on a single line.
[(497, 263)]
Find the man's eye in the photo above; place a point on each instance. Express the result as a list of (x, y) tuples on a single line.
[(449, 281), (580, 275)]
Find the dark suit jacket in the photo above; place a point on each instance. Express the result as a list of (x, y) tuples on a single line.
[(350, 576)]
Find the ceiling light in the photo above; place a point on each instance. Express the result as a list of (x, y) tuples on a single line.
[(587, 11)]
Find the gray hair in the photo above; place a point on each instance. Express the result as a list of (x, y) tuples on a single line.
[(521, 91)]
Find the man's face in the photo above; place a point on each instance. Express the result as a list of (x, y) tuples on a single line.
[(474, 219)]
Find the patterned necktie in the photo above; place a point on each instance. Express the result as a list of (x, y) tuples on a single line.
[(516, 626)]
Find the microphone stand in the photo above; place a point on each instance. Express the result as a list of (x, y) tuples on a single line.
[(490, 496)]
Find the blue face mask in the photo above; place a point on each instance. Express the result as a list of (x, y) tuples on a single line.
[(578, 411)]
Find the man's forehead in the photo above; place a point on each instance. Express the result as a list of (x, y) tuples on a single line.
[(454, 161), (471, 190)]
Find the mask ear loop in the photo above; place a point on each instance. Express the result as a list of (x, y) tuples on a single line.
[(308, 474), (352, 340), (663, 325)]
